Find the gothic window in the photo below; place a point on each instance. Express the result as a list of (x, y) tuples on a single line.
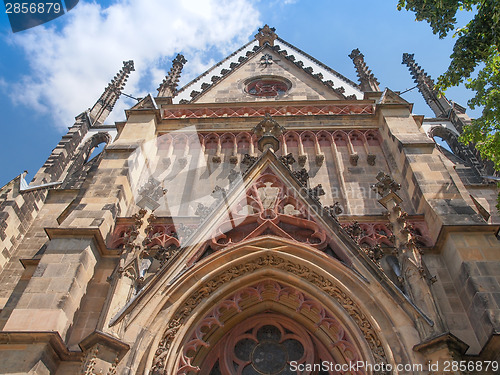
[(95, 151), (264, 345), (88, 154)]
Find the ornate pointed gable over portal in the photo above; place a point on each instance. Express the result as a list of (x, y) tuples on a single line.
[(269, 217)]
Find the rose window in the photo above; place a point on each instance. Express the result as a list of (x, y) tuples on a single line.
[(267, 87)]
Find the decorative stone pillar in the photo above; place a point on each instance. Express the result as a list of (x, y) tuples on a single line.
[(438, 346), (409, 256), (102, 353), (59, 282), (268, 133)]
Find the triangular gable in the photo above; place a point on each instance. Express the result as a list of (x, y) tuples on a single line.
[(312, 226), (316, 72), (270, 201), (266, 65)]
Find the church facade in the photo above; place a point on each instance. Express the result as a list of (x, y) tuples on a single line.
[(270, 217)]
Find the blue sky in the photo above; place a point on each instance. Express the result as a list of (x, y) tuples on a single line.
[(51, 73)]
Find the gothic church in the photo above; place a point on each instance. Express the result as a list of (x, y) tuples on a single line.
[(270, 217)]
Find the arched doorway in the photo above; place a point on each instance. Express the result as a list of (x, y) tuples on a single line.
[(270, 328), (269, 344), (337, 309)]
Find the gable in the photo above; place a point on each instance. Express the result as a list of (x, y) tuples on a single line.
[(267, 66), (309, 79)]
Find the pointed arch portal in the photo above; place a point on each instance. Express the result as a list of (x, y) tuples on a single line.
[(268, 312)]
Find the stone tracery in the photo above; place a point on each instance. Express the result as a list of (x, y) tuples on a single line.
[(339, 339), (278, 263)]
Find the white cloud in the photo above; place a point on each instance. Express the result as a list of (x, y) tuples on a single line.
[(71, 67)]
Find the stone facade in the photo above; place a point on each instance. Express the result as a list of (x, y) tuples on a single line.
[(269, 216)]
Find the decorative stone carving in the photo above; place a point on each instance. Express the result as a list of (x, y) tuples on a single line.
[(267, 35), (89, 361), (275, 109), (105, 104), (316, 191), (414, 278), (288, 159), (264, 212), (248, 160), (182, 162), (233, 159), (266, 60), (353, 158), (168, 88), (375, 253), (202, 211), (184, 231), (268, 132), (267, 291), (273, 261), (366, 78), (302, 160), (370, 159), (150, 193), (334, 210), (355, 231), (218, 193), (320, 158), (232, 176)]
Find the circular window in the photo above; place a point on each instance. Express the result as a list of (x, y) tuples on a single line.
[(266, 345), (267, 86)]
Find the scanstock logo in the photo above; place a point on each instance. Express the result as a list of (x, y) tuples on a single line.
[(25, 14)]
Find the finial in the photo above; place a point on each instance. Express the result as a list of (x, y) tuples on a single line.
[(168, 88), (385, 184), (268, 132), (366, 78), (104, 105), (438, 103), (265, 35)]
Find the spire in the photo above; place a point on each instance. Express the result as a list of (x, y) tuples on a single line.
[(439, 104), (168, 87), (103, 107), (366, 78), (265, 35)]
